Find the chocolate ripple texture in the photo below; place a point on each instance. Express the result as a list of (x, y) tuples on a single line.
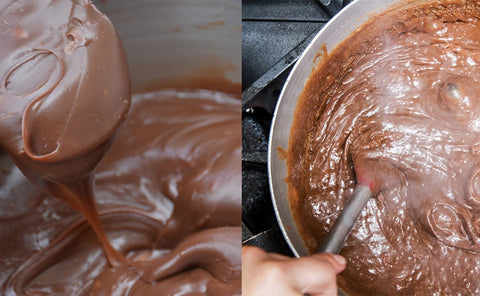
[(397, 104), (168, 194)]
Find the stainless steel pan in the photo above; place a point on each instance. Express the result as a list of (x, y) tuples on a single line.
[(172, 43), (339, 27)]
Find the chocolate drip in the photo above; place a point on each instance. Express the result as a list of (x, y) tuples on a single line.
[(163, 151), (63, 97)]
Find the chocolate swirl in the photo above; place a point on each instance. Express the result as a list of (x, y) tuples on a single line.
[(173, 170), (63, 95)]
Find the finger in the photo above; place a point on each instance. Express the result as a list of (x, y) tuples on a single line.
[(337, 261), (262, 274), (278, 257), (315, 274), (256, 254), (251, 256)]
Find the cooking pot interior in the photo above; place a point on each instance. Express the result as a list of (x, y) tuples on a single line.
[(339, 27), (171, 43)]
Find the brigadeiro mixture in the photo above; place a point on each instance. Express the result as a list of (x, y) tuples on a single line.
[(97, 202), (397, 103)]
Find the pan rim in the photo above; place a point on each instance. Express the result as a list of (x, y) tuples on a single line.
[(348, 20)]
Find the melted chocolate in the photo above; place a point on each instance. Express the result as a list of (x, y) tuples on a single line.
[(397, 104), (63, 97), (65, 93), (173, 171)]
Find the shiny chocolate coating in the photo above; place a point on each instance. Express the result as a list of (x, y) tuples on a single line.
[(172, 180), (174, 170), (397, 104), (63, 97), (65, 87)]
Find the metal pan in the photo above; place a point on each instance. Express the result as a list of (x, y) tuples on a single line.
[(179, 44), (339, 27)]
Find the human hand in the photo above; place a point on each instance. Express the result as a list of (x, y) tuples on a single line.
[(273, 274)]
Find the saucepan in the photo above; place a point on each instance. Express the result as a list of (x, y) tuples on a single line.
[(339, 28), (180, 44)]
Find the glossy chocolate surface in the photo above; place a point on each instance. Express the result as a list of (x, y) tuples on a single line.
[(63, 97), (168, 191), (173, 172), (65, 87), (396, 106)]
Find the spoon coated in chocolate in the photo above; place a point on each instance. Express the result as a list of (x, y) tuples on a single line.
[(65, 90)]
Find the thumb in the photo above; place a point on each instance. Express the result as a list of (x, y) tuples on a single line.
[(317, 274), (337, 261)]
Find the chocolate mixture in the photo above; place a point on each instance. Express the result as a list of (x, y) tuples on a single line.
[(173, 171), (63, 97), (168, 191), (397, 103)]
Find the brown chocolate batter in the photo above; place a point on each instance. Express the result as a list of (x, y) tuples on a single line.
[(398, 104), (65, 92), (63, 97), (173, 171)]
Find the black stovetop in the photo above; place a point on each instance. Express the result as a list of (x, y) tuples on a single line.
[(274, 33)]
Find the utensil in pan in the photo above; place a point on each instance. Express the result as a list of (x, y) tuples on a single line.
[(342, 227), (340, 27)]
